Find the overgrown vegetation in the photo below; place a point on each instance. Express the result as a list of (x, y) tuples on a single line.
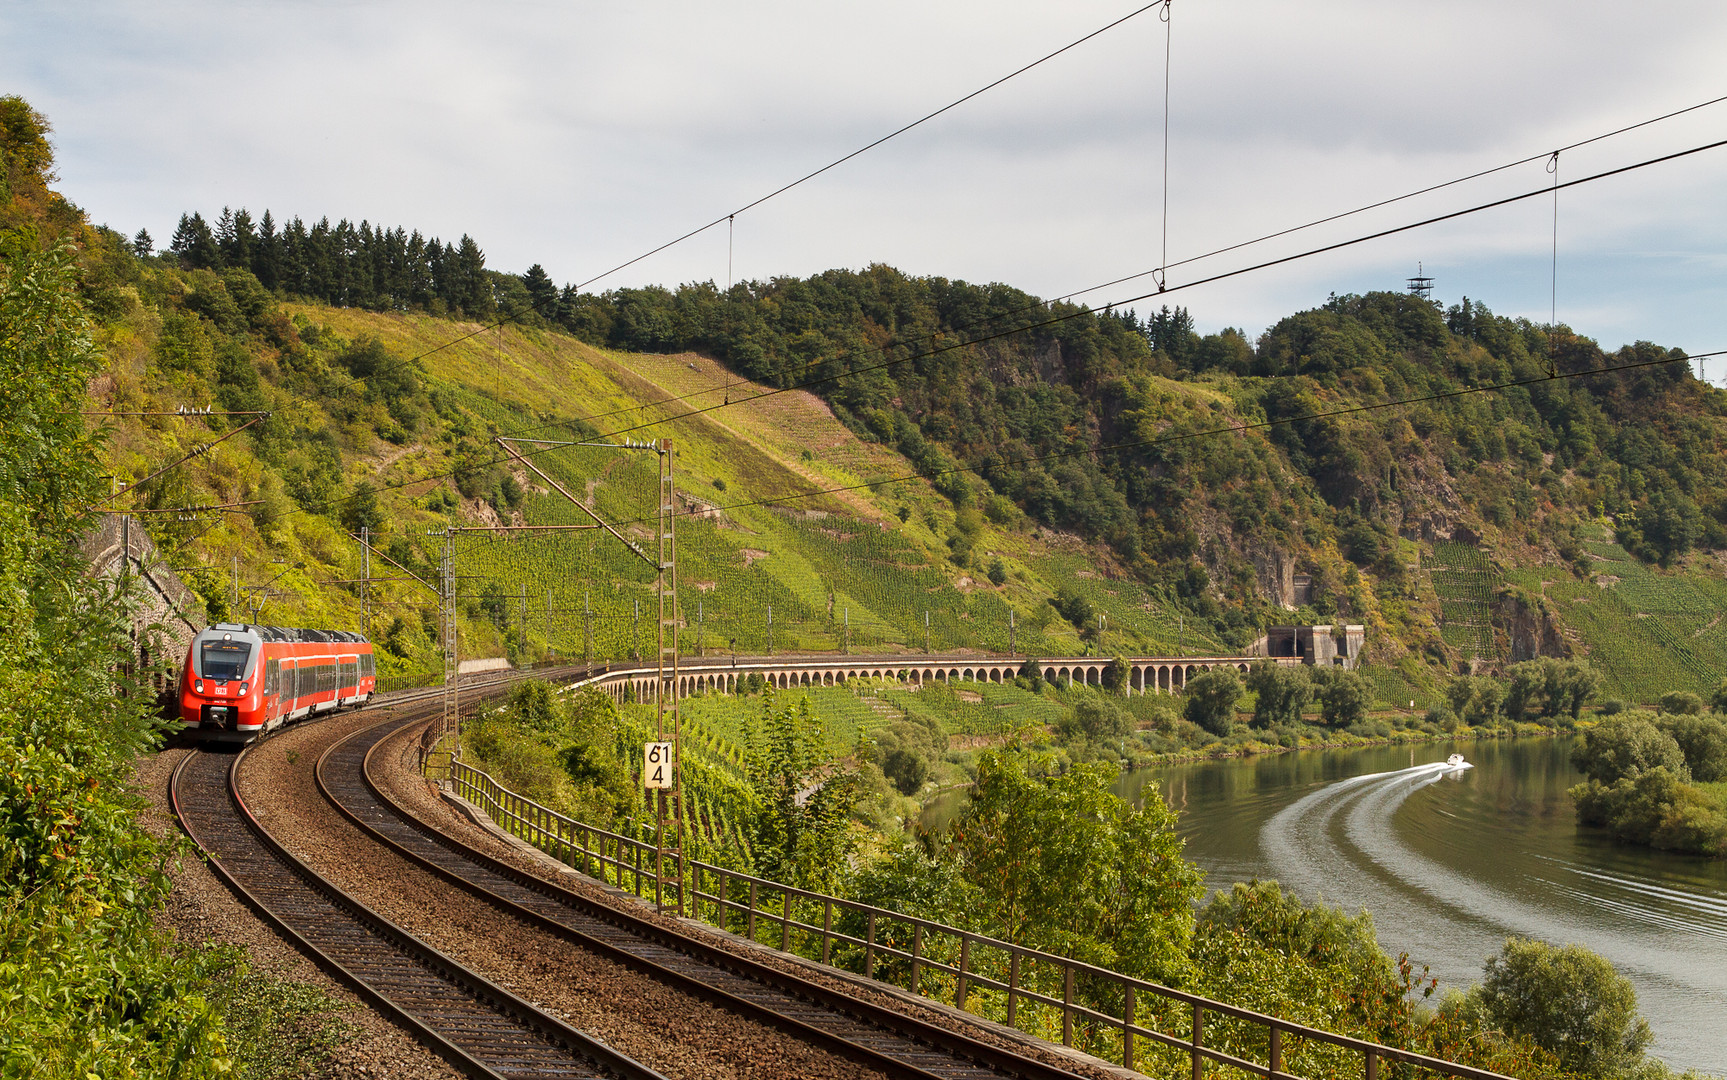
[(1649, 776), (89, 984)]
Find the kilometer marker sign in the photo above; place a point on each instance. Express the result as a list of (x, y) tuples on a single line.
[(657, 765)]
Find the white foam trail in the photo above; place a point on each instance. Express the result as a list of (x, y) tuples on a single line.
[(1377, 870), (1339, 842)]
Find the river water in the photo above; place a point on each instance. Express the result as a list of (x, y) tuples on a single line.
[(1451, 863)]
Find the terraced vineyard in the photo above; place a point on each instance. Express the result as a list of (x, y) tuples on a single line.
[(1648, 631), (1465, 580)]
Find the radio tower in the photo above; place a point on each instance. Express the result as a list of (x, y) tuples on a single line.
[(1421, 285)]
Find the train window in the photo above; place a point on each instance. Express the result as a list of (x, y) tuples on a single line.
[(224, 659)]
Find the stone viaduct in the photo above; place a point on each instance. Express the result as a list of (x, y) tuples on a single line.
[(1148, 674)]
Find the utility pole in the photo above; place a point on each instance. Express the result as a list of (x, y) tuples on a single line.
[(587, 628), (701, 625), (1012, 645), (549, 649), (848, 630), (926, 632), (667, 783), (447, 614), (770, 629), (366, 582), (236, 592), (669, 836), (636, 639)]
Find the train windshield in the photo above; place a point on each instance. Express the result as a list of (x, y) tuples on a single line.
[(224, 659)]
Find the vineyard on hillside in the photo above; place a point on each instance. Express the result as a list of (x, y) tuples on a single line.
[(1648, 631), (1465, 580)]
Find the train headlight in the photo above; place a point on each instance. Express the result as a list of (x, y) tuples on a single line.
[(242, 689), (198, 686)]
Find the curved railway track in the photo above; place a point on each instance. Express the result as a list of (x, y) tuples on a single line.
[(892, 1041), (477, 1026)]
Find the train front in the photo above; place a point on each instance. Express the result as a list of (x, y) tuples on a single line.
[(220, 694)]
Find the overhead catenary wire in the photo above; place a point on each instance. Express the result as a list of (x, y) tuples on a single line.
[(867, 147), (1156, 271), (1079, 312), (1240, 245), (1167, 17)]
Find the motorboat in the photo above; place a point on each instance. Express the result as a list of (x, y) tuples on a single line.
[(1455, 761)]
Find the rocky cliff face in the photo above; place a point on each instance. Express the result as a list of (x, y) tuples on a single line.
[(1530, 630)]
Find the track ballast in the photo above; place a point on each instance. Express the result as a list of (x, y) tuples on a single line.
[(478, 1026)]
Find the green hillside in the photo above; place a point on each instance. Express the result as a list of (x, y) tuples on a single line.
[(1081, 473)]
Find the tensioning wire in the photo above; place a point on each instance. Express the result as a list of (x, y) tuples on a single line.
[(1154, 272), (1082, 311)]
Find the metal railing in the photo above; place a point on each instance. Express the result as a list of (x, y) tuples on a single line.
[(1141, 1024)]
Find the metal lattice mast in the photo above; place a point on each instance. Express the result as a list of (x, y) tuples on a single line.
[(366, 582), (447, 613), (669, 837)]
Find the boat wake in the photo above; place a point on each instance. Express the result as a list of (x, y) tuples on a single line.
[(1454, 899)]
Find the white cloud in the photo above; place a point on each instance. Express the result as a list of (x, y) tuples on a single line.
[(579, 135)]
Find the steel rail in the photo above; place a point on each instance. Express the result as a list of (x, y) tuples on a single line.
[(479, 1027), (885, 1038)]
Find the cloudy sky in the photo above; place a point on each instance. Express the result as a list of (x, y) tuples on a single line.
[(579, 135)]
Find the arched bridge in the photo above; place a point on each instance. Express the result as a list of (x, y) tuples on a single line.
[(1146, 674)]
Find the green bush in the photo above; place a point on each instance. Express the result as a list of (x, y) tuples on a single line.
[(1703, 741), (1211, 698), (1570, 1002), (1624, 747), (1681, 703), (1282, 691)]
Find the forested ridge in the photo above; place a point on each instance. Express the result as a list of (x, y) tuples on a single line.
[(1136, 433)]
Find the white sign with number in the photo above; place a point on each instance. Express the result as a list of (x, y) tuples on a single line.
[(657, 765)]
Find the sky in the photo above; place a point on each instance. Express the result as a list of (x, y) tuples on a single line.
[(580, 135)]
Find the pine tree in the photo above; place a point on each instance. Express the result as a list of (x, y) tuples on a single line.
[(473, 290), (195, 244), (542, 292), (267, 254), (142, 244), (234, 237)]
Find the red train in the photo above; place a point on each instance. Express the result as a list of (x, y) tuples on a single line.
[(240, 680)]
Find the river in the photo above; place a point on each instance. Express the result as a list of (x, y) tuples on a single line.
[(1451, 864)]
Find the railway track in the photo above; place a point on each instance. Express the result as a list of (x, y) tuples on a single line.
[(884, 1038), (477, 1026)]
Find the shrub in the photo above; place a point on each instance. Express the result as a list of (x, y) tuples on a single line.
[(1681, 703), (1624, 747), (1211, 698), (1282, 692), (1703, 740), (1568, 1001), (1096, 718)]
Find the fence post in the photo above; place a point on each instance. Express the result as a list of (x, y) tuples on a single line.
[(1127, 1022), (1198, 1041), (785, 918), (869, 949), (916, 957), (1012, 986), (751, 931), (1372, 1066), (1066, 1006), (725, 914), (827, 927), (1276, 1059), (964, 959)]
